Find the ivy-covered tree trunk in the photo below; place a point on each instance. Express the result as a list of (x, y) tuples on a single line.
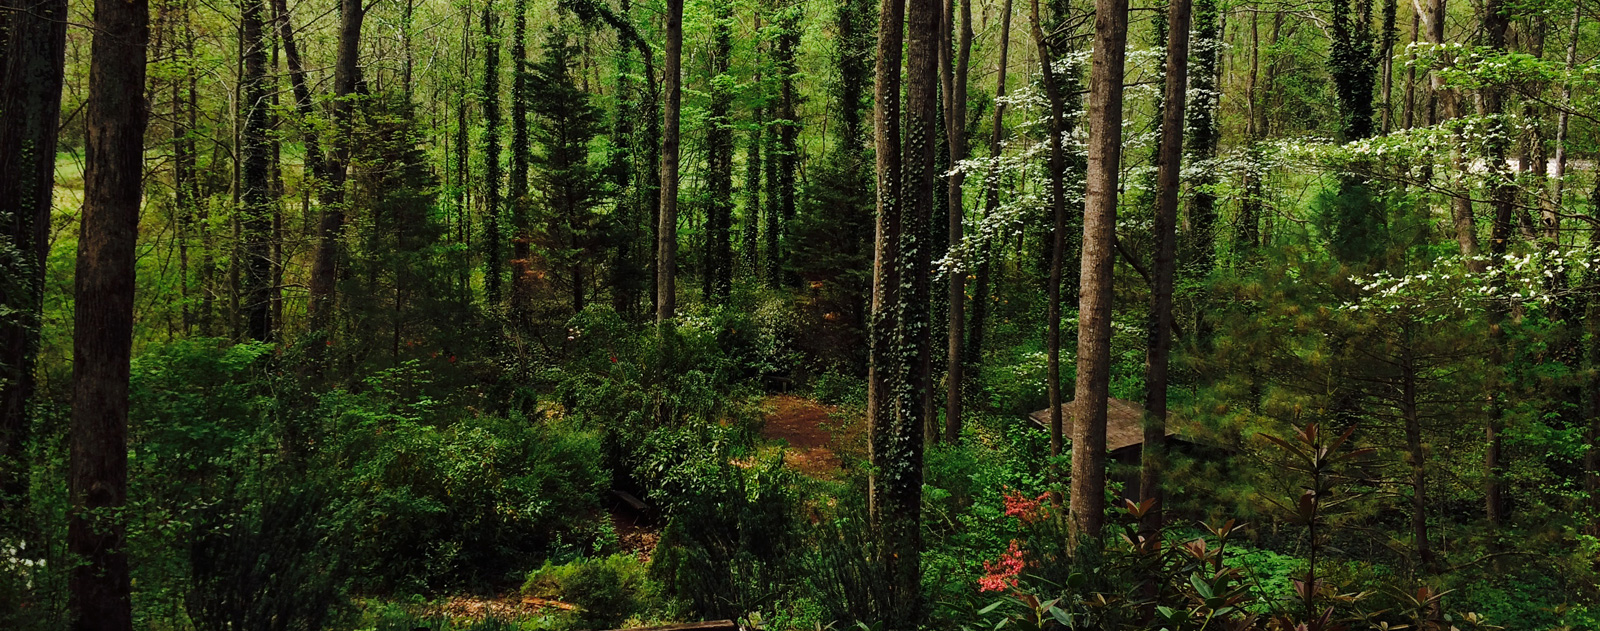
[(492, 263), (1202, 138), (1169, 175), (255, 221), (719, 267), (102, 340), (32, 61), (517, 179), (1094, 303), (787, 124)]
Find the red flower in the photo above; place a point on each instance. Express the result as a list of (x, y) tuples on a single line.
[(1002, 574), (452, 359), (613, 359), (1023, 508)]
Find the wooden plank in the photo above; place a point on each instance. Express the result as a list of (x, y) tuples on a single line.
[(630, 500), (709, 625)]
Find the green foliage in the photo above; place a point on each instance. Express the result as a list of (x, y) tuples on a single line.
[(729, 545), (607, 590)]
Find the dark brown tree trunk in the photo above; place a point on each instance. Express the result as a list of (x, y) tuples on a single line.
[(255, 191), (899, 327), (667, 237), (955, 91), (991, 185), (1058, 232), (1168, 174), (324, 267), (33, 45), (103, 317), (1094, 303), (1416, 457)]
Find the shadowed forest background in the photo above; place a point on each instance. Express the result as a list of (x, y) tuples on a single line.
[(948, 314)]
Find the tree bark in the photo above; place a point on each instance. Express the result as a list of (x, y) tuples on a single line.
[(1094, 303), (667, 239), (115, 118), (1058, 232), (346, 75), (955, 90), (255, 194), (492, 200), (991, 185), (1168, 179), (34, 45)]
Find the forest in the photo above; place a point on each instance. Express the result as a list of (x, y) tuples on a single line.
[(862, 315)]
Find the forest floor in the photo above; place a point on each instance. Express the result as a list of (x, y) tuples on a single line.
[(816, 434)]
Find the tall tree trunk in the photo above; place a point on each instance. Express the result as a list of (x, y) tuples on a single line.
[(719, 268), (102, 345), (1387, 39), (324, 267), (1094, 303), (255, 188), (492, 263), (667, 239), (991, 185), (517, 180), (955, 89), (33, 45), (1058, 232), (1168, 179), (751, 241), (788, 150), (1202, 143)]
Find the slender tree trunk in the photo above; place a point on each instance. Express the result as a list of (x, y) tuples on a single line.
[(1416, 457), (517, 180), (1549, 209), (1408, 111), (787, 127), (991, 185), (719, 268), (32, 61), (1094, 310), (956, 121), (103, 318), (1058, 232), (1168, 179), (492, 201), (667, 239)]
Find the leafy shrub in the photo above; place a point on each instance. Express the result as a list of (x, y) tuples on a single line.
[(607, 590), (728, 545)]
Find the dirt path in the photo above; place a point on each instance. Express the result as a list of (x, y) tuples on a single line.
[(814, 436)]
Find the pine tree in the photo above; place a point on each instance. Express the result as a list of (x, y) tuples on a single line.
[(569, 187)]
